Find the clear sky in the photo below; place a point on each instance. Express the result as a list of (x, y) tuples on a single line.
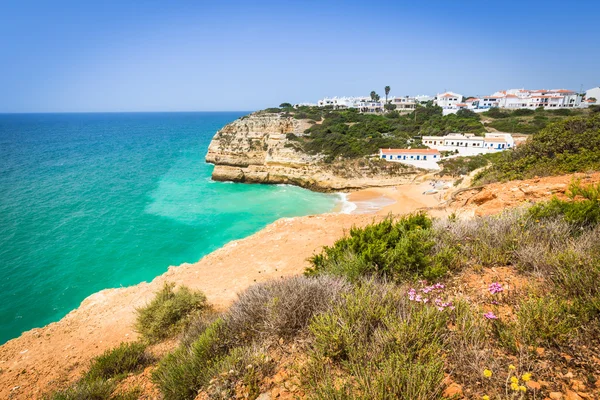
[(246, 55)]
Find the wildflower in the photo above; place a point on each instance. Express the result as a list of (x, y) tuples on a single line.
[(514, 386), (487, 373), (526, 377), (490, 315), (512, 367), (522, 388), (486, 397), (514, 379), (495, 288)]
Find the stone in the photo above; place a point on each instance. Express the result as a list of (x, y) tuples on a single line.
[(452, 391), (264, 396), (570, 395), (533, 385), (540, 351), (577, 385), (556, 395)]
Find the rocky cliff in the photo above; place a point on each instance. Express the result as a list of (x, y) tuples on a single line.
[(258, 148)]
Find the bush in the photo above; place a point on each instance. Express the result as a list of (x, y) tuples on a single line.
[(375, 344), (544, 321), (393, 249), (582, 208), (571, 145), (281, 308), (182, 373), (117, 362), (168, 312), (264, 312), (86, 390)]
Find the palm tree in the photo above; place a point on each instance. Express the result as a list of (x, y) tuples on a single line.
[(387, 91), (373, 94)]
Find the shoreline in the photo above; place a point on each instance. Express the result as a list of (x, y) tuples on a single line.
[(56, 353)]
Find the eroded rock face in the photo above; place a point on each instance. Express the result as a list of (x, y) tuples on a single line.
[(256, 149), (259, 139)]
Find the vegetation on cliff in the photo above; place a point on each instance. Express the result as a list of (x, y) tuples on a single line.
[(350, 134), (525, 120), (571, 145)]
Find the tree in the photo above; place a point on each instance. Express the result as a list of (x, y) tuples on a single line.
[(285, 105), (373, 94), (389, 107), (387, 91)]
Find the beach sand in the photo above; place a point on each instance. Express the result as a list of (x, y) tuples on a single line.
[(400, 199)]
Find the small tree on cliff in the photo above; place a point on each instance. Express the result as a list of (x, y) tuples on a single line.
[(387, 91)]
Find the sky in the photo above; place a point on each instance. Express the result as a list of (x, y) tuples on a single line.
[(84, 56)]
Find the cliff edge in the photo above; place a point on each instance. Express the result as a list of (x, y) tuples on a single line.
[(259, 148)]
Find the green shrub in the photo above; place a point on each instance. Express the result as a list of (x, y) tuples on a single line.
[(281, 308), (582, 208), (570, 145), (545, 321), (375, 344), (394, 249), (117, 362), (96, 389), (265, 312), (182, 373), (168, 312)]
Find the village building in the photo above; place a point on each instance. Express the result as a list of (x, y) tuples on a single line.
[(593, 93), (448, 100), (403, 103), (421, 158), (469, 144)]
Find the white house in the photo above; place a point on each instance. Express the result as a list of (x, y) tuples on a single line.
[(521, 98), (403, 103), (593, 93), (422, 158), (448, 100), (468, 144)]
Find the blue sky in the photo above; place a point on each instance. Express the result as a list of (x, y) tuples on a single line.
[(61, 56)]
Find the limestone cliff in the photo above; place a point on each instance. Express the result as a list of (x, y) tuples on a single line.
[(256, 149)]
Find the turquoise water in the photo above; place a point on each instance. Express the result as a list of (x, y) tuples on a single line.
[(93, 201)]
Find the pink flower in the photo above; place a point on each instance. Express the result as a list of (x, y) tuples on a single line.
[(490, 315), (495, 288)]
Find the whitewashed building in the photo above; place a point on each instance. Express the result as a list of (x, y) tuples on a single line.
[(448, 100), (469, 144), (403, 103), (421, 158), (593, 93)]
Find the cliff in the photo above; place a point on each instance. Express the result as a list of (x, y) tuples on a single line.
[(258, 148)]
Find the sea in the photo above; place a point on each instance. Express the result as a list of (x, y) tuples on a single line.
[(103, 200)]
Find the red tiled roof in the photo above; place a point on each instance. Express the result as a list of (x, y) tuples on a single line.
[(409, 151)]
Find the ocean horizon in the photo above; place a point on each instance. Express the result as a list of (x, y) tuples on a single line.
[(90, 201)]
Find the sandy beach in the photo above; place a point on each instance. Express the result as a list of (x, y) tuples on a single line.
[(399, 199)]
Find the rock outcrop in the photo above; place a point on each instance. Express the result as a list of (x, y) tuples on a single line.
[(260, 148)]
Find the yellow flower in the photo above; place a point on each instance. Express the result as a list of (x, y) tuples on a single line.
[(486, 397), (522, 388), (512, 367), (514, 386), (526, 377), (514, 379), (487, 373)]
